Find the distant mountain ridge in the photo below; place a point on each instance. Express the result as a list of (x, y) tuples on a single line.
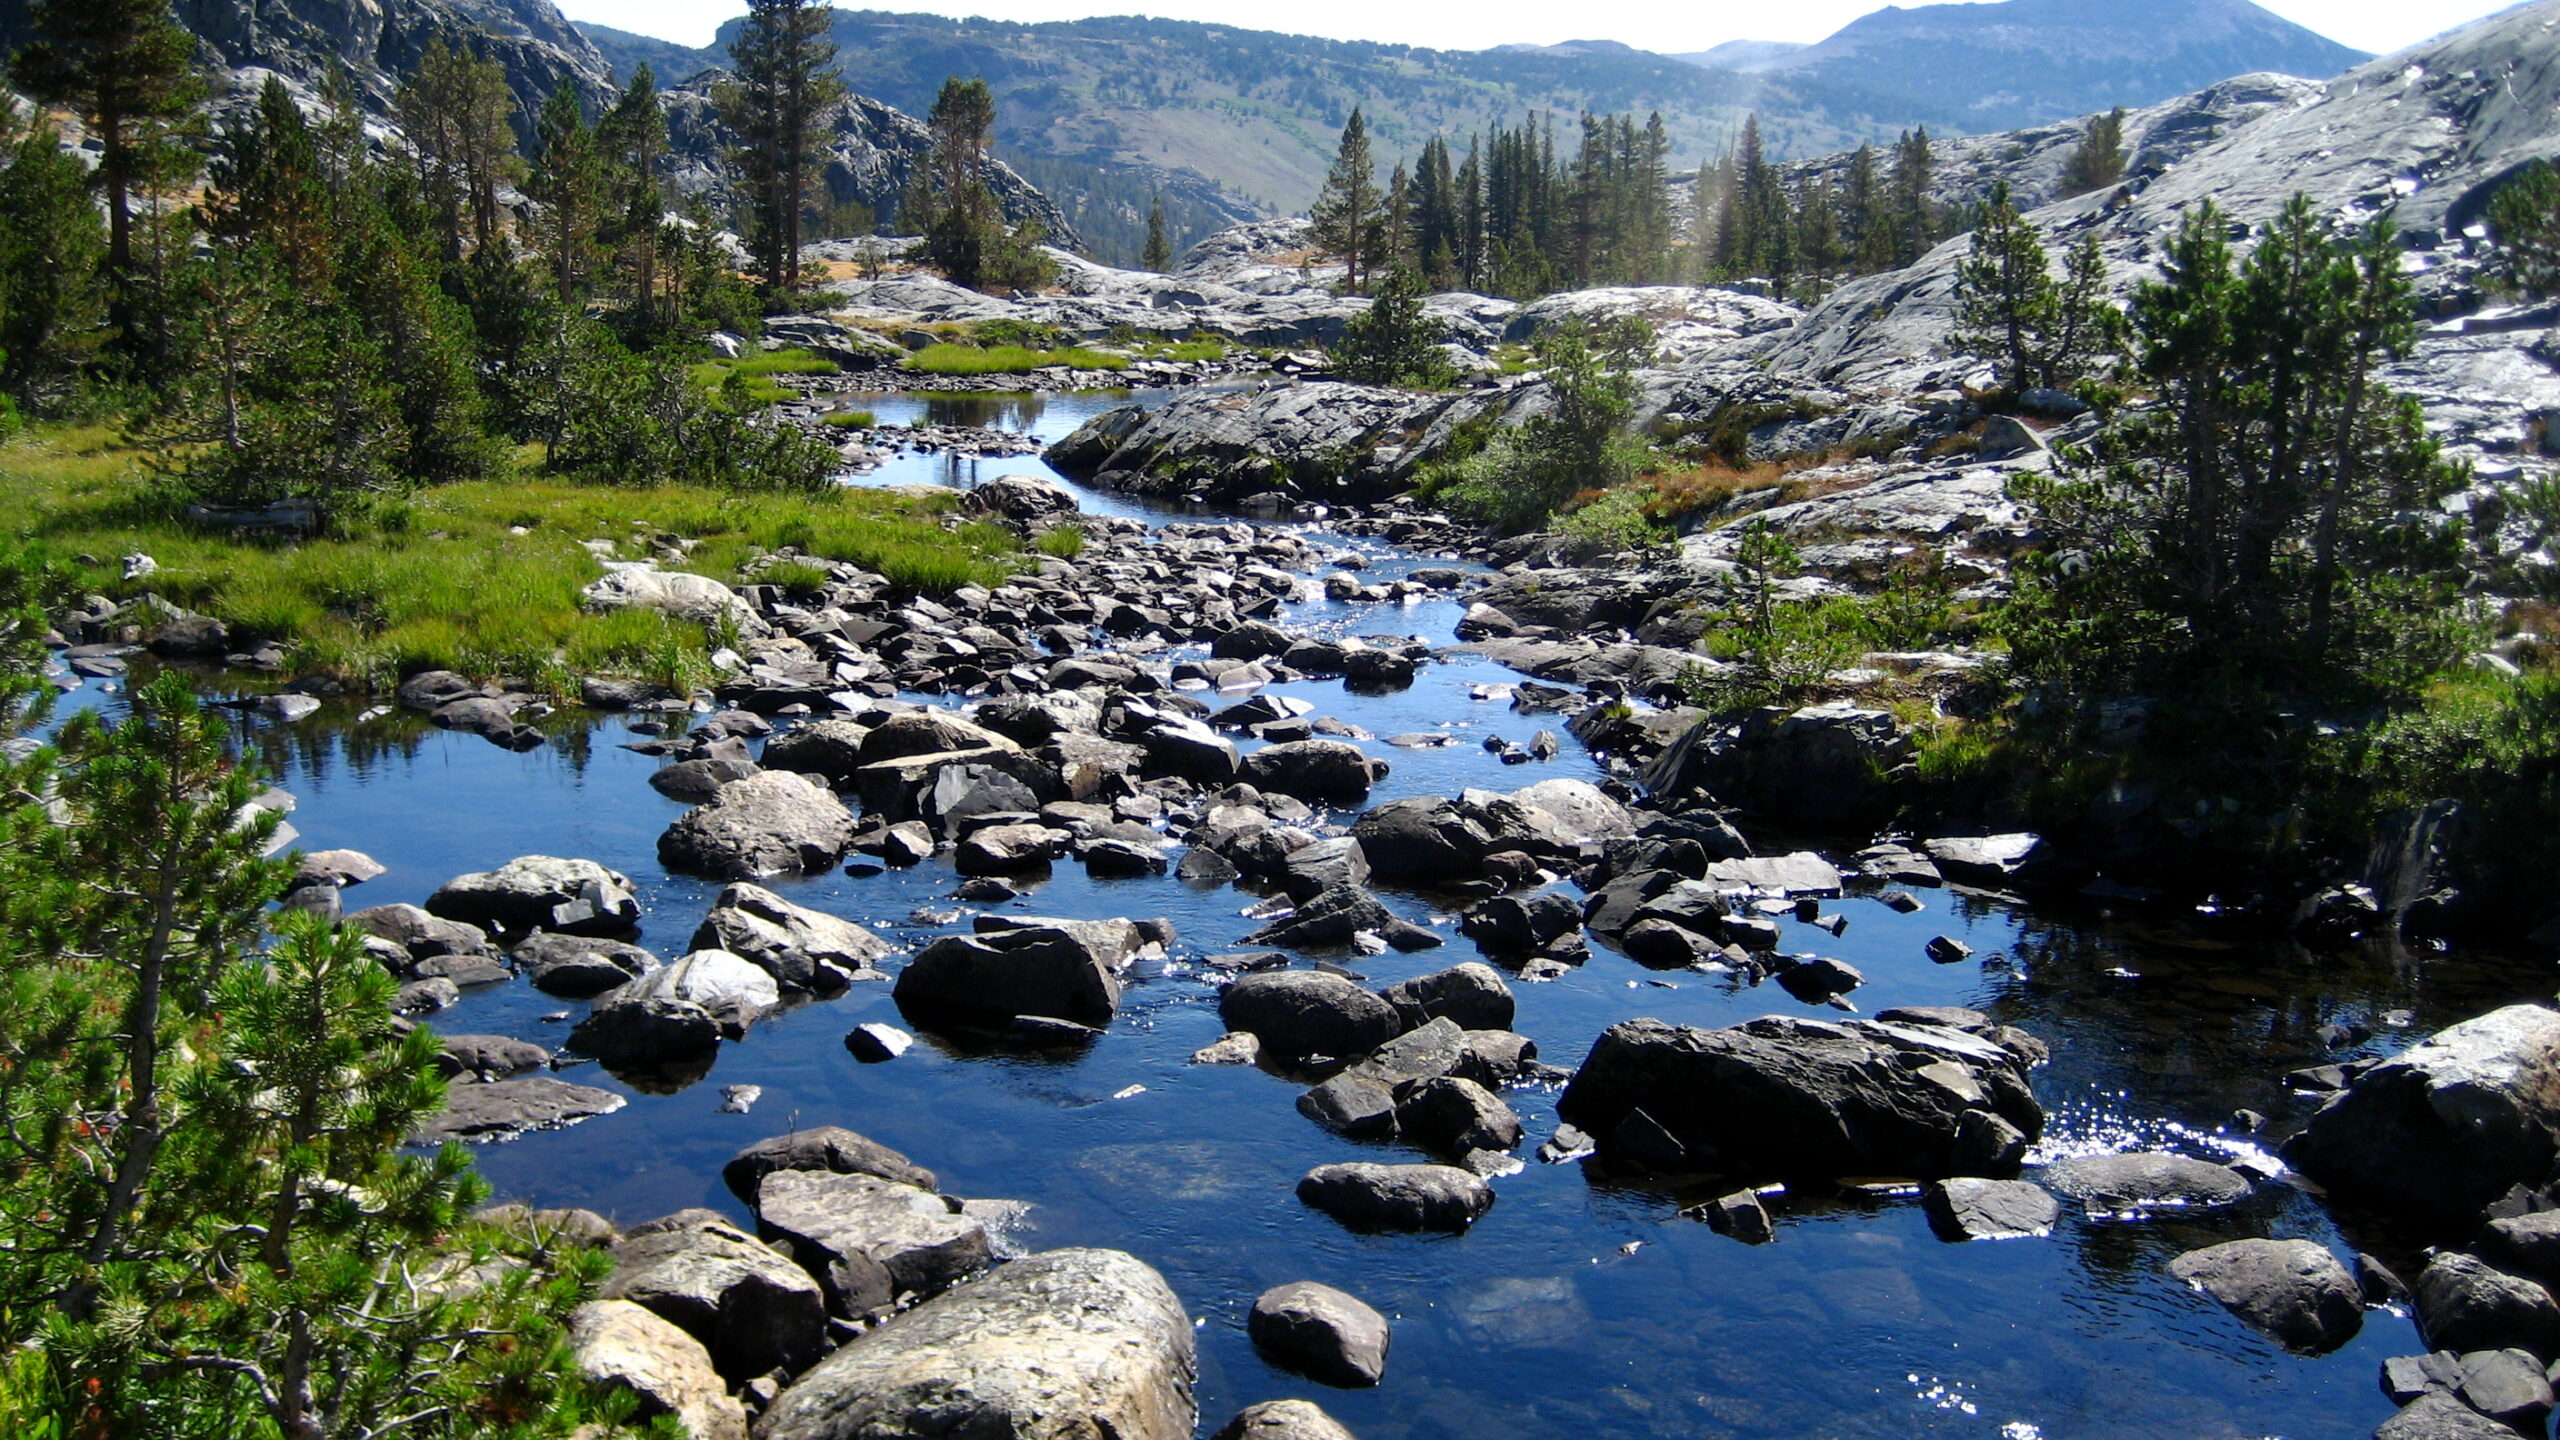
[(2026, 62)]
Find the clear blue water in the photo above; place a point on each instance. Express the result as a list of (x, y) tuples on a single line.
[(1573, 1307)]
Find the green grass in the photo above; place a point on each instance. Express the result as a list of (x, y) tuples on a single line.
[(441, 581), (850, 419), (1066, 542), (750, 377), (798, 579), (1007, 359)]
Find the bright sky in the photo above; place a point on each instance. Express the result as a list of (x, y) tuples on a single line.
[(2377, 25)]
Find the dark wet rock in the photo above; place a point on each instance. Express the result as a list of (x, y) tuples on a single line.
[(2441, 1417), (2449, 1125), (1308, 1012), (1122, 859), (829, 1148), (1436, 1048), (1947, 950), (800, 948), (1351, 1104), (1813, 1097), (1494, 1058), (2293, 1290), (2506, 1385), (1321, 1333), (869, 1240), (1511, 925), (504, 1109), (1327, 771), (1034, 970), (2146, 1180), (2406, 1377), (984, 890), (694, 781), (875, 1043), (2464, 1303), (1740, 1215), (1473, 994), (1310, 870), (1206, 867), (774, 823), (2528, 1245), (1969, 1208), (1993, 860), (1009, 850), (493, 1056), (1831, 765), (625, 1347), (752, 1309), (1451, 1116), (828, 749), (425, 997), (1422, 839), (1330, 919), (1818, 980), (577, 966), (1065, 1345), (492, 720), (1282, 1420), (1663, 945), (1397, 1197)]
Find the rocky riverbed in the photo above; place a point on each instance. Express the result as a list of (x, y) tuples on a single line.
[(1344, 947)]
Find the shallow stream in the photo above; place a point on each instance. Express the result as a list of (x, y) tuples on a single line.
[(1573, 1308)]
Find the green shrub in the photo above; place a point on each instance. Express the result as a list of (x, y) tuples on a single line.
[(1613, 523)]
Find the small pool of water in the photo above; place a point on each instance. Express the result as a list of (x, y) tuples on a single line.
[(1574, 1307), (1046, 416)]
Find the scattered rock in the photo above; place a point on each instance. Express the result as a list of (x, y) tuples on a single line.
[(1299, 1013), (2449, 1125), (624, 1346), (869, 1240), (2294, 1290), (828, 1148), (576, 966), (800, 948), (753, 1310), (1397, 1197), (772, 823), (875, 1043), (541, 892), (504, 1109), (2146, 1180), (1321, 1332), (1282, 1420), (1969, 1208)]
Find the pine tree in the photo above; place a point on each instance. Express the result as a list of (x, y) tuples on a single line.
[(1346, 214), (1395, 223), (1158, 255), (1649, 218), (1471, 218), (786, 81), (1914, 221), (122, 66), (1818, 235), (53, 297), (1395, 341), (455, 108), (963, 227), (1865, 219), (633, 139), (2524, 217), (2098, 160), (568, 181), (2005, 297)]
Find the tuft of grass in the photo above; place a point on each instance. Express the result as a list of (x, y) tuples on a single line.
[(850, 419), (1064, 542), (446, 584), (796, 578), (948, 359)]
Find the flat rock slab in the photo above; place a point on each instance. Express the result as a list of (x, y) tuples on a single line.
[(1801, 873), (504, 1109), (840, 1227), (1066, 1345), (2146, 1180), (1970, 1208)]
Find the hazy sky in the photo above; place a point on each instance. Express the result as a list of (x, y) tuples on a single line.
[(2378, 25)]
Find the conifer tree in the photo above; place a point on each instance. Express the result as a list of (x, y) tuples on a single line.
[(1865, 220), (1914, 222), (1158, 255), (1395, 223), (53, 297), (1471, 218), (963, 227), (2098, 160), (786, 80), (1818, 235), (455, 108), (1346, 214), (2524, 217), (633, 138), (122, 66), (568, 181)]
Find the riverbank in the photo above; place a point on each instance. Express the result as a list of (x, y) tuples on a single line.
[(483, 578)]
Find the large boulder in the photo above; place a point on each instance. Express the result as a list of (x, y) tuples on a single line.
[(1473, 994), (540, 892), (829, 1148), (623, 1346), (1822, 767), (992, 977), (1331, 772), (2294, 1290), (505, 1109), (869, 1240), (801, 948), (1308, 1012), (2138, 1181), (1321, 1332), (755, 1311), (677, 1012), (2450, 1124), (1423, 839), (577, 966), (2464, 1303), (1808, 1097), (1067, 1345), (1025, 498), (772, 823), (828, 749)]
